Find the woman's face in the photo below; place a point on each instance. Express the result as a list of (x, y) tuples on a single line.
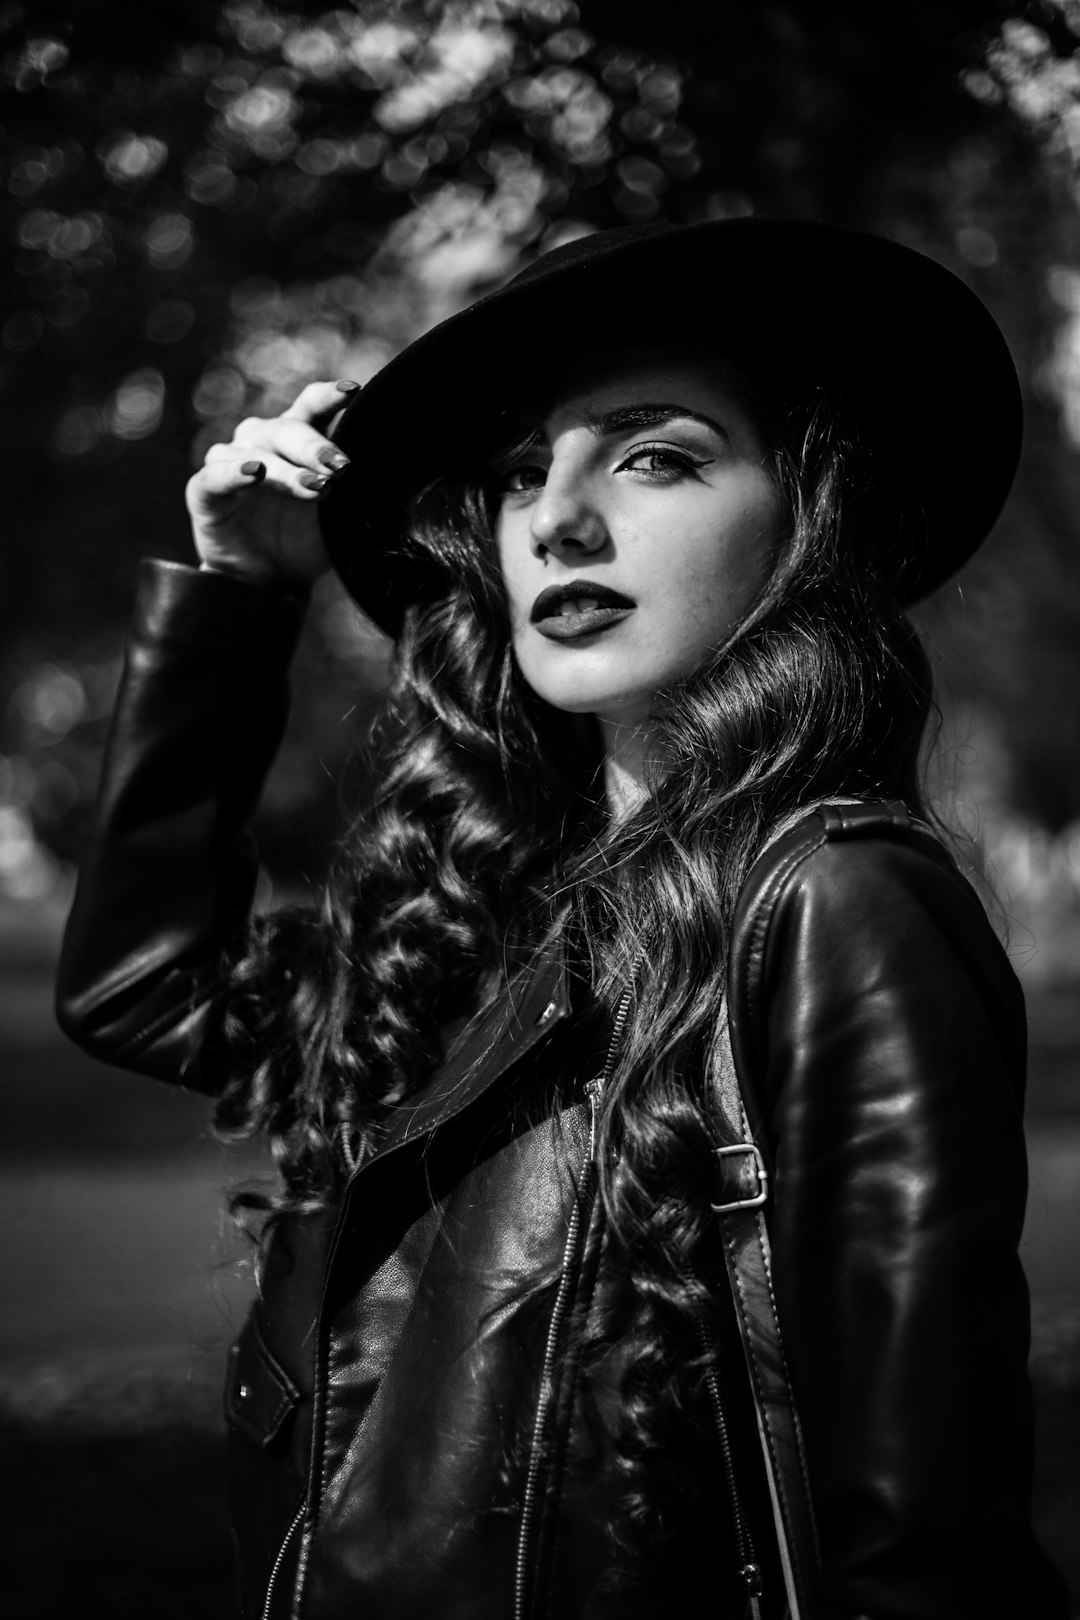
[(634, 533)]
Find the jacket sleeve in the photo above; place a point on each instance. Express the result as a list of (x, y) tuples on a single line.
[(893, 1046), (169, 871)]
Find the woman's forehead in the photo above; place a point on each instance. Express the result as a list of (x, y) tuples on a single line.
[(608, 383)]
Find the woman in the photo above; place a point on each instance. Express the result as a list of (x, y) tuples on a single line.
[(644, 524)]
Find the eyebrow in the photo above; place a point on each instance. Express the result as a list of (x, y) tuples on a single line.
[(646, 415), (625, 419)]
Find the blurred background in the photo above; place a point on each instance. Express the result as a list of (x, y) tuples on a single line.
[(206, 205)]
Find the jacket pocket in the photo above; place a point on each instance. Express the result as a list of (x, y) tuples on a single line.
[(259, 1394)]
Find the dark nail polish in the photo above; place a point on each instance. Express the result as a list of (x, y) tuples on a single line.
[(313, 480), (253, 469), (334, 459)]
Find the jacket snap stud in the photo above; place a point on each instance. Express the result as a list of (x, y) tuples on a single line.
[(244, 1391)]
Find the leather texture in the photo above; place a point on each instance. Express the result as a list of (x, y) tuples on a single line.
[(392, 1365), (748, 1259)]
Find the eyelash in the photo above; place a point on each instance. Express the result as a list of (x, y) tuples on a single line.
[(679, 464)]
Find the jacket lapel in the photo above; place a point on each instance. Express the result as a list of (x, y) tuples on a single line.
[(492, 1044)]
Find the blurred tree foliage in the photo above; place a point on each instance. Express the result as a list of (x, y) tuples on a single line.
[(208, 204)]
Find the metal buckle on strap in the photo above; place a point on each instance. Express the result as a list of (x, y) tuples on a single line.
[(759, 1169)]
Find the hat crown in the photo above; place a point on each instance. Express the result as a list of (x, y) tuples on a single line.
[(925, 373), (590, 246)]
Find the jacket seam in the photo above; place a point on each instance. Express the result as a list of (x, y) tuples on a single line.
[(146, 1033), (765, 906), (532, 1044), (766, 902)]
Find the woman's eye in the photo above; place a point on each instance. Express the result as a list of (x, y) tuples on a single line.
[(662, 463), (522, 478)]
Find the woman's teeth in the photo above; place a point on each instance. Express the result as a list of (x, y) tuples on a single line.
[(584, 605)]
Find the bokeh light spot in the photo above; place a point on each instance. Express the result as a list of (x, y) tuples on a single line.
[(51, 699), (130, 159), (220, 392), (169, 241), (136, 408), (78, 430), (977, 246)]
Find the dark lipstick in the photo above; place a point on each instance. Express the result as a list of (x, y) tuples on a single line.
[(578, 608)]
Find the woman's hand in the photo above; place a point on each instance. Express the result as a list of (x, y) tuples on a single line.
[(252, 502)]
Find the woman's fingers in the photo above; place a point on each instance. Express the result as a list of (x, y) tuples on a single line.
[(253, 516), (321, 399), (248, 500), (292, 435), (229, 471), (222, 476), (291, 440)]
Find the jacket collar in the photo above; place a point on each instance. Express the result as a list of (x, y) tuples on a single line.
[(491, 1044)]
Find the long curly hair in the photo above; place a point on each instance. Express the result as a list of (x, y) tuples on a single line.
[(468, 853)]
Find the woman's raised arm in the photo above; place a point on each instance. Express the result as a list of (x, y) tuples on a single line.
[(169, 872)]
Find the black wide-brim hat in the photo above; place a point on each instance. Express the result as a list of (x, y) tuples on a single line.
[(924, 369)]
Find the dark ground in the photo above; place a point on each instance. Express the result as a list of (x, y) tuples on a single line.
[(123, 1286)]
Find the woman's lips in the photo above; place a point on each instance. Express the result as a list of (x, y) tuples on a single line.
[(577, 608), (569, 624)]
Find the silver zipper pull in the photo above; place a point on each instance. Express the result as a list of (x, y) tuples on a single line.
[(594, 1090)]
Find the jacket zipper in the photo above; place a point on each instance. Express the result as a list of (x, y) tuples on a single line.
[(575, 1232), (749, 1570), (279, 1560)]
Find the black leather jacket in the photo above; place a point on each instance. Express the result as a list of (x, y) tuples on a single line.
[(402, 1344)]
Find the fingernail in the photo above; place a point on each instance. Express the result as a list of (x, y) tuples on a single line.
[(334, 459), (348, 387), (253, 469), (313, 480)]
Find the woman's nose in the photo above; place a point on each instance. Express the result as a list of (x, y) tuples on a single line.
[(565, 520)]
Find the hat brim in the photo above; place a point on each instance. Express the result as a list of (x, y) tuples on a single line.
[(923, 365)]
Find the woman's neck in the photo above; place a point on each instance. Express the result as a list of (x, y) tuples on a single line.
[(628, 764)]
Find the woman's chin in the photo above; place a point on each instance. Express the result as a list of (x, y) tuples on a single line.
[(571, 686), (618, 707)]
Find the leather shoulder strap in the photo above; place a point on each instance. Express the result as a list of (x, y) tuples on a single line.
[(749, 1268)]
